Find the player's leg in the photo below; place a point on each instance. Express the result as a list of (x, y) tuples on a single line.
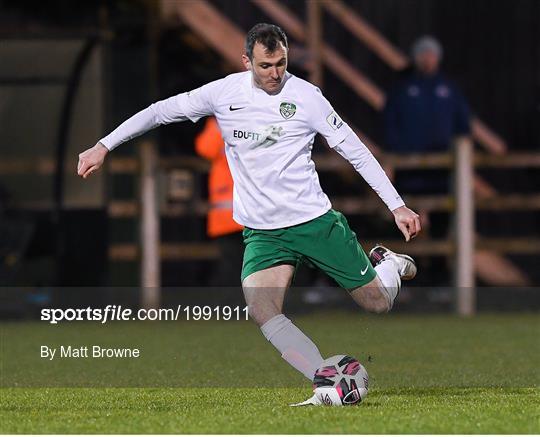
[(374, 281), (264, 292), (379, 294), (371, 297)]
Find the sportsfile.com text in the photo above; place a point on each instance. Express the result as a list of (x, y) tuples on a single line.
[(112, 313)]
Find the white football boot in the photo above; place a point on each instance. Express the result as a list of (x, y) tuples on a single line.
[(405, 264), (313, 400)]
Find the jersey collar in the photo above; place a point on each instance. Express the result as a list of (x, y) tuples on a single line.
[(249, 86)]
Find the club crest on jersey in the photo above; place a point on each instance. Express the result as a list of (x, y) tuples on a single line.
[(287, 110)]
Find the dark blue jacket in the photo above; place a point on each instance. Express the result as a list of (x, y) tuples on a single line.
[(423, 114)]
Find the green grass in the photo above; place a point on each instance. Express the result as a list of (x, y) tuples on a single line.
[(428, 374)]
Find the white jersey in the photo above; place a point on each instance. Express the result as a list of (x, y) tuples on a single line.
[(268, 143)]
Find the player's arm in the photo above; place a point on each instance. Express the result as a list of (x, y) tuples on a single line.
[(356, 152), (339, 136), (185, 106)]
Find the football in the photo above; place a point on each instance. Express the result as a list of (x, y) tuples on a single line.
[(341, 380)]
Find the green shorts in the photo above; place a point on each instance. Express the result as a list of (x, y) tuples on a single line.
[(325, 242)]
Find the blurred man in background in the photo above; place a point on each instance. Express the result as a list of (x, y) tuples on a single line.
[(424, 112), (220, 224)]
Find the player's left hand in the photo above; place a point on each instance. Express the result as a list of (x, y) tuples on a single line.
[(407, 221)]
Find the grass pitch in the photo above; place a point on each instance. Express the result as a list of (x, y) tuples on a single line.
[(428, 374)]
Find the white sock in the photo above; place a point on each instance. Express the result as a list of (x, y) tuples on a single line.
[(388, 273), (295, 347)]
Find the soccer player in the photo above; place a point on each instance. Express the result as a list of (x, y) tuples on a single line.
[(268, 119)]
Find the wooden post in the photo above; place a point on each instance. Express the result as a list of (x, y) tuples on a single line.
[(149, 229), (466, 294), (315, 42)]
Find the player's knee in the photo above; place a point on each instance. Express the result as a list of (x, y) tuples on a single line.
[(378, 303), (255, 313), (380, 306)]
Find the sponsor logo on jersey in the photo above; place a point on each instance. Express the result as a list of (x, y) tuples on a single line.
[(287, 110), (268, 137), (246, 135), (334, 120)]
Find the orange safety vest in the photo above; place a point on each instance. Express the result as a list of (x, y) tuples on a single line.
[(209, 144)]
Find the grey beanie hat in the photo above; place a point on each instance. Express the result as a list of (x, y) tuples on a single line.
[(427, 43)]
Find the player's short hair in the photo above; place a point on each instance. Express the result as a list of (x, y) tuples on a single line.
[(269, 35)]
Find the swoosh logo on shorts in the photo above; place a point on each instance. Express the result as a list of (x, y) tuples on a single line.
[(363, 272), (235, 109)]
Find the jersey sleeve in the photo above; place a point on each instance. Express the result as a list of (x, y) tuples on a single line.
[(325, 120), (200, 102), (185, 106), (356, 152)]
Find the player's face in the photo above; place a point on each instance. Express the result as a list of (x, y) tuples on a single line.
[(427, 62), (268, 69)]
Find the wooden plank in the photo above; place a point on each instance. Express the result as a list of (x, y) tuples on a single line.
[(488, 138), (129, 209), (189, 251), (437, 160), (122, 209), (214, 28), (464, 228), (198, 208), (521, 246), (189, 162), (149, 227), (123, 252), (512, 202), (366, 33), (415, 247), (359, 82), (497, 270), (324, 162), (510, 160), (120, 164), (32, 165), (353, 205), (168, 252), (315, 42), (284, 17), (209, 251)]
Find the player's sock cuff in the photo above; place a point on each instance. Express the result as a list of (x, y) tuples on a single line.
[(274, 325)]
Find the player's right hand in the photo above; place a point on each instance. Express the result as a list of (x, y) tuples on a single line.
[(407, 221), (90, 160)]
